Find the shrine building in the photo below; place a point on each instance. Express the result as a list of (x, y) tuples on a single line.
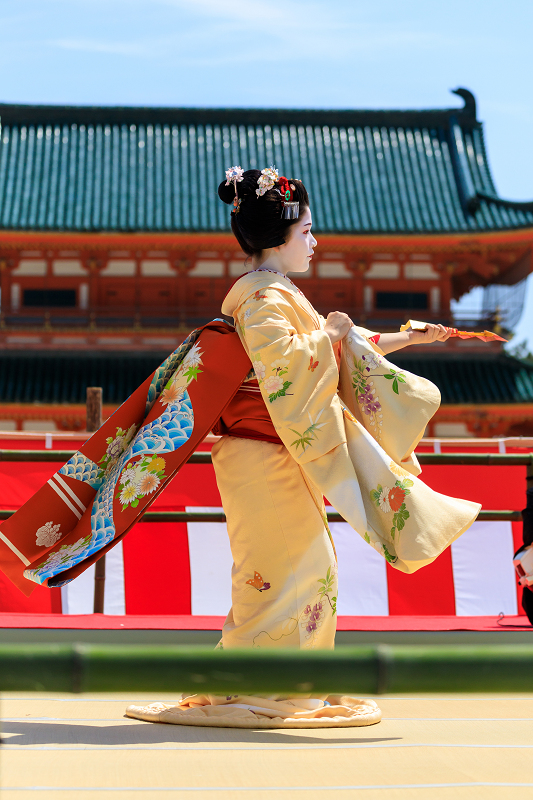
[(114, 245)]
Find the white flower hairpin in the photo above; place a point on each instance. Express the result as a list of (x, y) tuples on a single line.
[(234, 176), (267, 180)]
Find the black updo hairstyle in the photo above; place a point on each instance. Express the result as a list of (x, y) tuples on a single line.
[(258, 224)]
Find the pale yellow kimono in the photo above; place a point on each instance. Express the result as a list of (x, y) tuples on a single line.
[(354, 445), (350, 440)]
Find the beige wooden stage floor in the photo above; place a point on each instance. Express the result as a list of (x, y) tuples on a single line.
[(76, 746)]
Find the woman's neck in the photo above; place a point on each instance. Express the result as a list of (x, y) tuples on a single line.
[(271, 263)]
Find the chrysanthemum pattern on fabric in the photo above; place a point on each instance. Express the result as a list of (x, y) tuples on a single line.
[(140, 478), (392, 500), (47, 535), (168, 368)]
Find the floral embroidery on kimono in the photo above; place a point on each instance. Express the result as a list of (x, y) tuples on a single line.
[(365, 389), (275, 386), (393, 500), (352, 428), (48, 534), (297, 373), (62, 559), (115, 448), (140, 478), (312, 617)]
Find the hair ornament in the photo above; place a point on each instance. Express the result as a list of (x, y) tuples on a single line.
[(234, 176), (291, 208), (267, 180)]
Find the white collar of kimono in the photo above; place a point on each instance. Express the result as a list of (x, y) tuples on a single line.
[(269, 269), (276, 272)]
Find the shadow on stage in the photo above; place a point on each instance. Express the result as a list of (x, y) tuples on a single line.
[(134, 733)]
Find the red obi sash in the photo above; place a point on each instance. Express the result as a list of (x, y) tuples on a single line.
[(246, 416)]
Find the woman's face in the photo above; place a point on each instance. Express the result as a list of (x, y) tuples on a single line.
[(295, 255)]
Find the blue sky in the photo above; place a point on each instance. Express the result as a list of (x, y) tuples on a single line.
[(295, 53)]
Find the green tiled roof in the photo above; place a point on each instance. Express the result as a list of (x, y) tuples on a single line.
[(485, 379), (63, 378), (157, 169)]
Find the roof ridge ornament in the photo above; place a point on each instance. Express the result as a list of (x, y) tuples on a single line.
[(469, 99), (470, 195)]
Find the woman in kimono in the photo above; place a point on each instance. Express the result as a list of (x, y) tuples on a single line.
[(289, 439), (322, 414)]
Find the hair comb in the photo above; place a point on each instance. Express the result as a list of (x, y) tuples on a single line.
[(291, 208)]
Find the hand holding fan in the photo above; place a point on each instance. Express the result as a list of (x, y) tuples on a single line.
[(485, 336)]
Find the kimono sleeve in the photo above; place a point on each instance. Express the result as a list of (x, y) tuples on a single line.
[(297, 373), (372, 338)]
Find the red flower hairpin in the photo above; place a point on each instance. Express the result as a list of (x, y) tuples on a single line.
[(291, 208)]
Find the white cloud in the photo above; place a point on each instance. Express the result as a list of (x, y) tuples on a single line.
[(211, 33)]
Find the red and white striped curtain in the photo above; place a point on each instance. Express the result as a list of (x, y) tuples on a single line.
[(178, 568)]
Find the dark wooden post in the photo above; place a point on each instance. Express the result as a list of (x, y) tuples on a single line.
[(99, 585), (94, 422), (94, 408)]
